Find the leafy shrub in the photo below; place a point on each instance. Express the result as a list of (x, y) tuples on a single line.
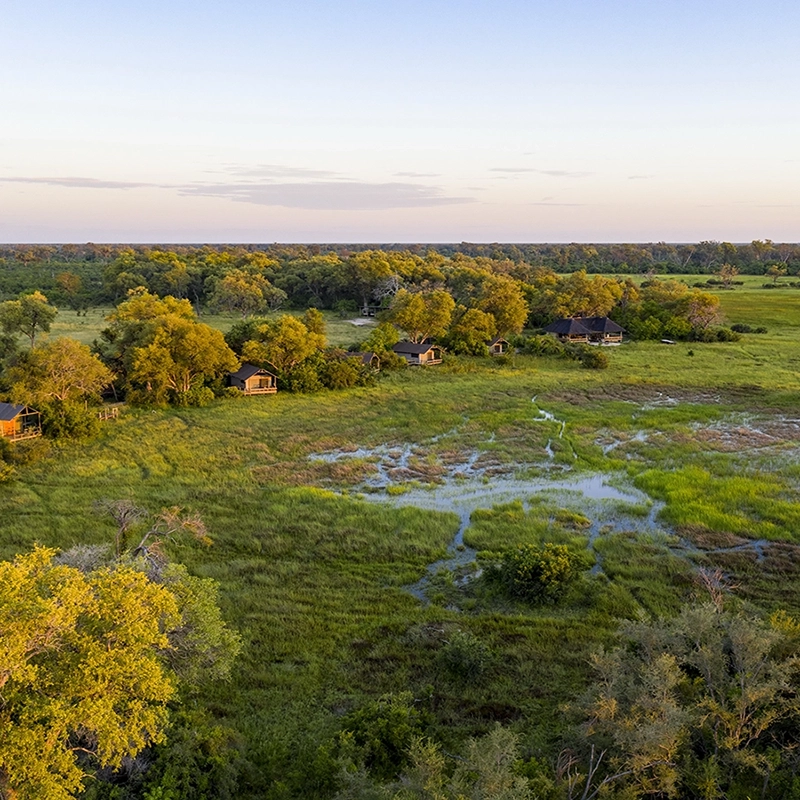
[(340, 374), (63, 419), (741, 327), (594, 358), (465, 657), (380, 734), (648, 328), (345, 308), (541, 345), (727, 335), (538, 574), (303, 378), (197, 396)]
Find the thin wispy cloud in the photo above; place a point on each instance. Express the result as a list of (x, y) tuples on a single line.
[(416, 174), (260, 186), (640, 177), (280, 172), (563, 173), (330, 195), (85, 183), (513, 170), (553, 173)]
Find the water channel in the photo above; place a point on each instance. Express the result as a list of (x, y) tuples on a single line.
[(472, 482)]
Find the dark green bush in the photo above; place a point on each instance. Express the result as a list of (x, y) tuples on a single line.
[(594, 358), (465, 657), (538, 574), (380, 734)]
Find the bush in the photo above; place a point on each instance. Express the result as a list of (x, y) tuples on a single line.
[(197, 396), (345, 308), (541, 345), (538, 574), (65, 419), (465, 657), (727, 335), (340, 373), (594, 358), (380, 734), (741, 327), (303, 378)]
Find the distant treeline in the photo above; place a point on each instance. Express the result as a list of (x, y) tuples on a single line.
[(324, 275)]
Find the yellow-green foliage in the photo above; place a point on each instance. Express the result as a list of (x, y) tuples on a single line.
[(79, 670), (537, 574)]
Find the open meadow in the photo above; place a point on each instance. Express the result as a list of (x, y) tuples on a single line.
[(324, 509)]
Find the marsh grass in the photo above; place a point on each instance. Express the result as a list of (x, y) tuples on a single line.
[(312, 575)]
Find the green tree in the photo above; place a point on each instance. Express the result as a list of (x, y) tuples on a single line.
[(502, 297), (160, 350), (80, 671), (60, 378), (726, 273), (776, 271), (283, 343), (421, 315), (381, 339), (470, 332), (246, 293), (699, 703), (28, 315), (578, 294), (702, 309), (62, 370)]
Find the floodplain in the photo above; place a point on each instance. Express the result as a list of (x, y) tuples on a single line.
[(350, 528)]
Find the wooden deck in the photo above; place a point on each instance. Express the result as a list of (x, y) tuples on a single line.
[(264, 390), (31, 433)]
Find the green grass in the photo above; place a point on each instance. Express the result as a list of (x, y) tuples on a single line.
[(312, 575), (86, 328)]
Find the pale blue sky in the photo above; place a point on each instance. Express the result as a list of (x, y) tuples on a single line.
[(403, 121)]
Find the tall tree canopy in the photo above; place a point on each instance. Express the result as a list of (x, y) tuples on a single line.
[(28, 315), (80, 671), (421, 315), (61, 370), (284, 343), (160, 348)]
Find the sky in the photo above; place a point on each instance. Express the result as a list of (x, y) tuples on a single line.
[(403, 121)]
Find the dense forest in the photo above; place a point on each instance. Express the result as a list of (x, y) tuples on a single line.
[(327, 275)]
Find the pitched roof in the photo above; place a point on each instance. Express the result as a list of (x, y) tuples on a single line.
[(602, 325), (497, 340), (366, 357), (575, 326), (10, 410), (568, 327), (413, 348), (248, 370)]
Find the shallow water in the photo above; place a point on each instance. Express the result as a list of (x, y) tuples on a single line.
[(466, 485)]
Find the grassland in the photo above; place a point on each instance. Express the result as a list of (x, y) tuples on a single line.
[(312, 570)]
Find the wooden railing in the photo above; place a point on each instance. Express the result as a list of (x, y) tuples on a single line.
[(108, 413), (262, 390), (28, 433)]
